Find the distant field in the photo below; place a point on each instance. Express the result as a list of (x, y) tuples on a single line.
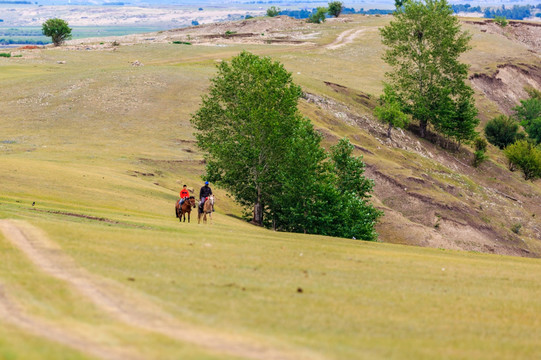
[(33, 35)]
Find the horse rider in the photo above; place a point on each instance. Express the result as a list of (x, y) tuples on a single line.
[(205, 192), (184, 194)]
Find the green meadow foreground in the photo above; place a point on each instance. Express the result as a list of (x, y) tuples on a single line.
[(99, 267)]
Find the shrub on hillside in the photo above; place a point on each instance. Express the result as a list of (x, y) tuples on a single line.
[(273, 11), (318, 16), (501, 21), (5, 54), (529, 114), (525, 156), (479, 155), (501, 131)]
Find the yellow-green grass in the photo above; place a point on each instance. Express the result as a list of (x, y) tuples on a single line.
[(358, 300)]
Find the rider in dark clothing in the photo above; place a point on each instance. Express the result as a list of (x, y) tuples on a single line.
[(204, 193)]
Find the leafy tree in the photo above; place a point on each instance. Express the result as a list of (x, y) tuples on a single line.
[(389, 111), (335, 8), (318, 16), (501, 131), (529, 114), (269, 157), (273, 11), (57, 29), (525, 156), (246, 124), (424, 43)]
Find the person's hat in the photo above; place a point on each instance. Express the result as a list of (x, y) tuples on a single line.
[(206, 182)]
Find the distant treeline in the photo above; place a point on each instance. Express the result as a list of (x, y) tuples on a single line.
[(15, 2), (517, 12), (304, 14)]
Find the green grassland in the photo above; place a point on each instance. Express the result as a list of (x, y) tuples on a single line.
[(99, 137)]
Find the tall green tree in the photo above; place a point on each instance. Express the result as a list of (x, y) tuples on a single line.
[(246, 123), (260, 149), (529, 115), (57, 29), (424, 43)]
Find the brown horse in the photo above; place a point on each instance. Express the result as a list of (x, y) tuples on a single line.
[(185, 208), (208, 207)]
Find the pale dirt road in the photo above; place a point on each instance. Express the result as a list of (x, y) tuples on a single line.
[(345, 38), (125, 304), (11, 313)]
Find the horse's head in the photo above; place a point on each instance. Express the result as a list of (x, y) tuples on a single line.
[(191, 201), (211, 199)]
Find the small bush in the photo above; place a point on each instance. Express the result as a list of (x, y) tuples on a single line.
[(516, 228), (319, 16), (248, 17), (5, 54), (273, 11), (229, 33), (115, 43), (501, 21), (525, 156), (478, 157), (480, 144), (182, 42), (501, 131)]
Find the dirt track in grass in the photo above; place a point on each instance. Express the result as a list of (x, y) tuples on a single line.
[(120, 302)]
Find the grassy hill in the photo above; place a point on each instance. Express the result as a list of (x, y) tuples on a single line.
[(99, 267)]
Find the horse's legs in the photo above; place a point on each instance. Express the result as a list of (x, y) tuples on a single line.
[(189, 212)]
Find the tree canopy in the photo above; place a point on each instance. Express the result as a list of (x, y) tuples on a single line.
[(57, 29), (260, 149), (424, 43)]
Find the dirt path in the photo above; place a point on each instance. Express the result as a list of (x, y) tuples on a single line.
[(12, 314), (127, 305), (345, 38)]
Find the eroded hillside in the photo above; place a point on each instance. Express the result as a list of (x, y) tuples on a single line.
[(134, 96)]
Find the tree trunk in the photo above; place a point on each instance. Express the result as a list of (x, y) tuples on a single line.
[(258, 210), (422, 127), (389, 129)]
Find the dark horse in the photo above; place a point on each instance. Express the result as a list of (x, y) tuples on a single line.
[(186, 207)]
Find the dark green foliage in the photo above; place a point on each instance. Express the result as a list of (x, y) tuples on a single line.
[(181, 42), (501, 20), (5, 54), (273, 11), (501, 131), (269, 157), (529, 114), (335, 8), (479, 155), (57, 29), (424, 43), (319, 16), (389, 111), (525, 156)]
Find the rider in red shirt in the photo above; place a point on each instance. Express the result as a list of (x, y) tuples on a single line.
[(184, 194)]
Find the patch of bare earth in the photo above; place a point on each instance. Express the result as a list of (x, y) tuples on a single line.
[(122, 303), (506, 87), (527, 33)]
